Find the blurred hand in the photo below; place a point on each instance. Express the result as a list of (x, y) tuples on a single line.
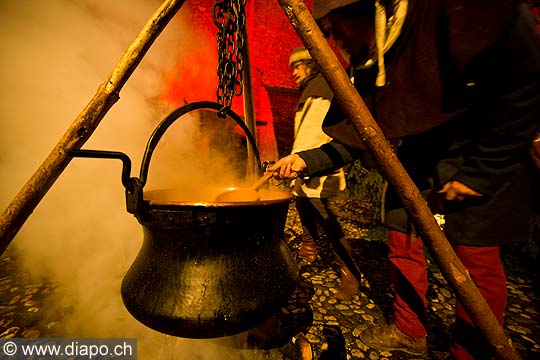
[(289, 167), (454, 190)]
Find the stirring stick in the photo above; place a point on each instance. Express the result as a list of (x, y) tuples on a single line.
[(247, 194)]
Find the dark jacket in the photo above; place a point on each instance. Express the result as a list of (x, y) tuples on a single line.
[(463, 97), (314, 86)]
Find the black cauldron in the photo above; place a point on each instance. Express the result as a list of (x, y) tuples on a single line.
[(206, 269)]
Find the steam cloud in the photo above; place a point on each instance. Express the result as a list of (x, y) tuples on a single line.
[(55, 54)]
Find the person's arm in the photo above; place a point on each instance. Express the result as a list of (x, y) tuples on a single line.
[(315, 162)]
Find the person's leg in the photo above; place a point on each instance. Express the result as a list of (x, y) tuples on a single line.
[(322, 215), (409, 279), (349, 272), (308, 217), (486, 270)]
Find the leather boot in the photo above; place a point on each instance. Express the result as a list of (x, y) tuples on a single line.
[(388, 337), (308, 250), (301, 341), (349, 273), (349, 285)]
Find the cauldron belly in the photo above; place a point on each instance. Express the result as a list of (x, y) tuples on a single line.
[(209, 281)]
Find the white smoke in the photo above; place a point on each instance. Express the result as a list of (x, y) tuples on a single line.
[(55, 54)]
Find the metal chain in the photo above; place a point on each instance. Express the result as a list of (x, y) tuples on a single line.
[(230, 19)]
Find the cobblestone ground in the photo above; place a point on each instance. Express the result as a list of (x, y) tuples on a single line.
[(314, 320), (345, 319)]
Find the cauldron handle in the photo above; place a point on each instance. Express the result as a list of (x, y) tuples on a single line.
[(127, 181), (173, 116), (133, 185)]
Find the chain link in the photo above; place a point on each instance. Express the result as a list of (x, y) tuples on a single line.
[(230, 19)]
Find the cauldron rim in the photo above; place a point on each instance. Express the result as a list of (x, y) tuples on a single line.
[(169, 197)]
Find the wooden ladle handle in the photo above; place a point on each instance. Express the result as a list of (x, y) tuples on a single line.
[(246, 194), (263, 179)]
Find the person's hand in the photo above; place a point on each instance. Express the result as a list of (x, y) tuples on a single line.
[(289, 167), (454, 190)]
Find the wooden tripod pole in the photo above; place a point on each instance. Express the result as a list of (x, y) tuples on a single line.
[(424, 221), (83, 126)]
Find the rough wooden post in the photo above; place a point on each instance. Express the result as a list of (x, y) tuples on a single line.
[(424, 221), (83, 126)]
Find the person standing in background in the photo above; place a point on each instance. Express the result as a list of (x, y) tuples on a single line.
[(313, 194)]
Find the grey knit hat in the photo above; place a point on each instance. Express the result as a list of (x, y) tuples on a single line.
[(299, 54), (321, 8)]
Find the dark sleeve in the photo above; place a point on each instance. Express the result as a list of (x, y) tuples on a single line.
[(505, 106), (328, 158)]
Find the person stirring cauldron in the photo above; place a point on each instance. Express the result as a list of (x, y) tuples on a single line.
[(455, 86), (313, 194)]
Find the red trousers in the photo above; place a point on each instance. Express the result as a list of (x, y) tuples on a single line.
[(409, 278)]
